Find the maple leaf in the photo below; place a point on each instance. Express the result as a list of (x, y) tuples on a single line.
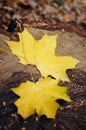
[(41, 53), (40, 97)]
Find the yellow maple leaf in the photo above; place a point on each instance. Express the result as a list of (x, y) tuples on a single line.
[(41, 53), (39, 97)]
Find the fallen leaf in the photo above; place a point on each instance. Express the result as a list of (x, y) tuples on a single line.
[(40, 97), (41, 53)]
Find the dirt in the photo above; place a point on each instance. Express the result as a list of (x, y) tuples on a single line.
[(49, 11), (71, 41)]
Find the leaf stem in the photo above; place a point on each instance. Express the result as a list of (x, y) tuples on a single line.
[(26, 59)]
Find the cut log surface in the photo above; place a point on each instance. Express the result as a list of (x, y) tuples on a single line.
[(71, 116)]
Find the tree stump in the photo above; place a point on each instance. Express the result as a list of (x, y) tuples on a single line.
[(71, 116)]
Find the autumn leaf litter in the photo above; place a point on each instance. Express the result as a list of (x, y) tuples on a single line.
[(40, 97)]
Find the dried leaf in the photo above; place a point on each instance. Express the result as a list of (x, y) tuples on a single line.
[(39, 97), (41, 53)]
